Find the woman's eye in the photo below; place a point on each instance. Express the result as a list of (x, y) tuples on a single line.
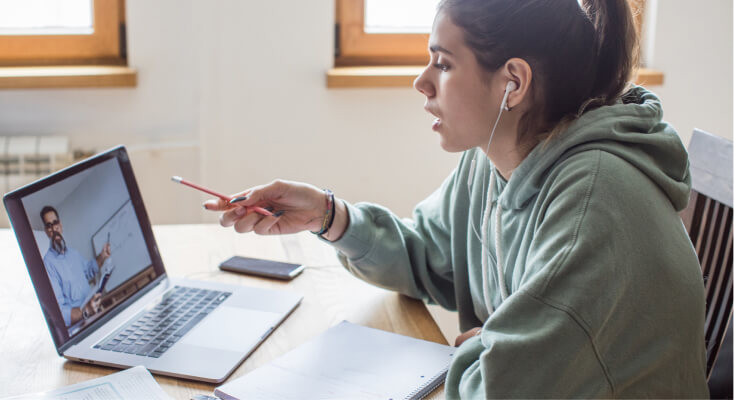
[(442, 67)]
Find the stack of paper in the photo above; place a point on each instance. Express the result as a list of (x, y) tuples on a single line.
[(132, 383)]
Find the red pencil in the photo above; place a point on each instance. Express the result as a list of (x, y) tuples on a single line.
[(226, 198)]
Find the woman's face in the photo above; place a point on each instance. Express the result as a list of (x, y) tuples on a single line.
[(459, 92)]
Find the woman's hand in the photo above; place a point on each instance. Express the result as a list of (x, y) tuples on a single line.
[(295, 206), (466, 335)]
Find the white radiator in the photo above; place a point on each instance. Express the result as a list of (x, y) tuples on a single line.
[(24, 159)]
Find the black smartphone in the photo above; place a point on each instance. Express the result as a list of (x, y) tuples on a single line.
[(259, 267)]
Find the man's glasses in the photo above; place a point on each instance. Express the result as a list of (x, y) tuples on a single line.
[(50, 225)]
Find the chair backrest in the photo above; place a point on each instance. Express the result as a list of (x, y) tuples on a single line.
[(708, 219)]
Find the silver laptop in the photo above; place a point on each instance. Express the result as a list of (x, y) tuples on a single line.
[(96, 269)]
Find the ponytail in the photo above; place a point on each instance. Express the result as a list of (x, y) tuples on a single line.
[(615, 47)]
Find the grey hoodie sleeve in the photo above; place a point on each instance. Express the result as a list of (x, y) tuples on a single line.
[(411, 256), (530, 349)]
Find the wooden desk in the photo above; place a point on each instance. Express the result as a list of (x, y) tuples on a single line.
[(30, 363)]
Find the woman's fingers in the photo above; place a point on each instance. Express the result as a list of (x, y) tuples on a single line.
[(215, 205), (467, 335), (267, 225), (221, 204), (265, 194), (247, 223), (303, 203), (231, 216)]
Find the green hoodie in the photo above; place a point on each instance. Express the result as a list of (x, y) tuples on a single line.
[(605, 293)]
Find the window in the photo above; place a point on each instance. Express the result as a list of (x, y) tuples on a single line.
[(63, 44), (60, 32), (383, 32)]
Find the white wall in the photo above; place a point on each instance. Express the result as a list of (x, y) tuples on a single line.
[(693, 47), (268, 113)]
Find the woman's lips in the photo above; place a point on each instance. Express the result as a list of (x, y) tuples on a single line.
[(436, 124)]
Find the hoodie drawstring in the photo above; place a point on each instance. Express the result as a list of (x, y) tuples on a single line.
[(485, 250)]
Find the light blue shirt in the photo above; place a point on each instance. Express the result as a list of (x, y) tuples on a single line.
[(69, 274)]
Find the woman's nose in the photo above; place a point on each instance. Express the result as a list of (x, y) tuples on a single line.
[(423, 85)]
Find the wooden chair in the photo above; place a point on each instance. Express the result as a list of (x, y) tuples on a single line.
[(708, 219)]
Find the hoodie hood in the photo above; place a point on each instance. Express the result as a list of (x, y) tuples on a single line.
[(631, 129)]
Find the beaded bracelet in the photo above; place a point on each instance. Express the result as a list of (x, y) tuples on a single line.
[(329, 216)]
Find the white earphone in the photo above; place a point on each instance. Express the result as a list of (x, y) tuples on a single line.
[(511, 87)]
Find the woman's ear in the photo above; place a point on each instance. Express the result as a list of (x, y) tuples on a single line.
[(518, 71)]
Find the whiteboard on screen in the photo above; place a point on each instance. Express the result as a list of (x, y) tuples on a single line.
[(128, 252)]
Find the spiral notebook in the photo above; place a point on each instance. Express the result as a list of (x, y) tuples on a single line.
[(348, 361)]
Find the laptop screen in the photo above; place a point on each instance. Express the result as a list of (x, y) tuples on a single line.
[(86, 240)]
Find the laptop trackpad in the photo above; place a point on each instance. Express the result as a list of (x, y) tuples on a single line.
[(231, 328)]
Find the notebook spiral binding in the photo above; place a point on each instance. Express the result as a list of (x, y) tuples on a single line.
[(429, 386)]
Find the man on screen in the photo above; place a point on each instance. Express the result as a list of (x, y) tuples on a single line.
[(69, 272)]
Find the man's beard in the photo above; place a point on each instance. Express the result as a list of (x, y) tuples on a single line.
[(60, 244)]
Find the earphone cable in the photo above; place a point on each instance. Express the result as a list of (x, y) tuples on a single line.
[(484, 179), (486, 201)]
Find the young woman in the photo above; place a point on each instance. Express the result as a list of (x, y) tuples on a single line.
[(557, 237)]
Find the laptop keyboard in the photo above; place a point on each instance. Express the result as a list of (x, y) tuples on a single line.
[(153, 332)]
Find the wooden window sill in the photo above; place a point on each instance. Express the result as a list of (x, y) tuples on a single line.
[(403, 76), (83, 76)]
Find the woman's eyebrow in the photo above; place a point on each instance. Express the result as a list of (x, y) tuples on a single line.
[(436, 48)]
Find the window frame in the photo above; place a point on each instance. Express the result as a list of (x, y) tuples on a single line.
[(104, 46), (354, 47)]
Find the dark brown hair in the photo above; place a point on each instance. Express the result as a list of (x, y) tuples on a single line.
[(582, 56), (47, 209)]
